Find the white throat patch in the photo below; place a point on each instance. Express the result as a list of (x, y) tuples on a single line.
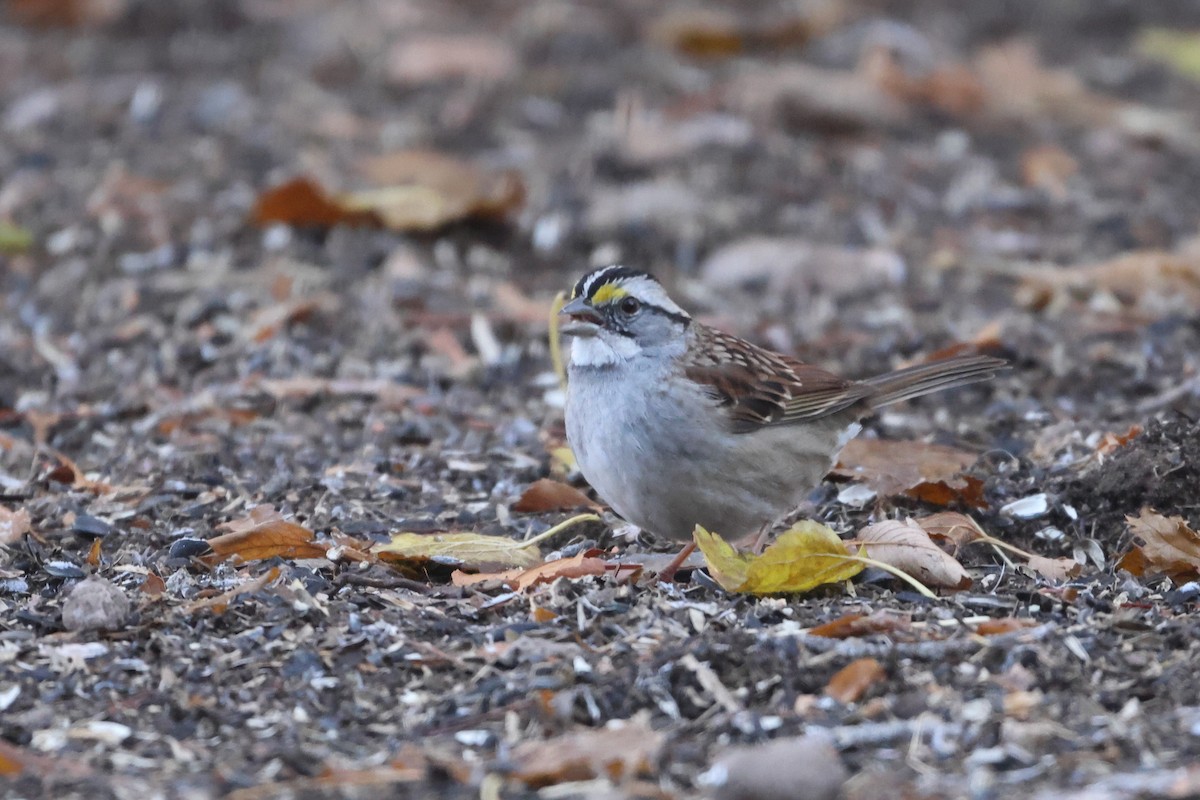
[(601, 351)]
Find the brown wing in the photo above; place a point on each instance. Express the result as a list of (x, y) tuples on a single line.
[(760, 388)]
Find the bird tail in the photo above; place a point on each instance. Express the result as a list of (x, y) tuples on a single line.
[(948, 373)]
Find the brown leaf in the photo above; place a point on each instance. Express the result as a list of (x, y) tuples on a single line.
[(578, 566), (952, 526), (1056, 569), (906, 546), (992, 627), (852, 681), (1150, 282), (93, 556), (266, 538), (548, 495), (302, 202), (220, 603), (424, 190), (13, 524), (1112, 441), (622, 750), (808, 98), (1048, 167), (475, 552), (1170, 547), (153, 585), (851, 625), (479, 58), (928, 472)]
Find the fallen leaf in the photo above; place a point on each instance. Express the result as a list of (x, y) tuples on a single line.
[(13, 524), (716, 32), (927, 472), (65, 13), (950, 88), (804, 557), (1169, 547), (1048, 167), (851, 625), (1179, 50), (953, 526), (418, 190), (93, 556), (220, 603), (808, 98), (993, 627), (302, 202), (852, 681), (479, 58), (906, 546), (424, 190), (548, 495), (153, 585), (1056, 569), (578, 566), (1112, 441), (622, 750), (267, 536), (474, 552), (1151, 282), (14, 239)]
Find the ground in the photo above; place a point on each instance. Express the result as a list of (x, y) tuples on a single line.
[(859, 184)]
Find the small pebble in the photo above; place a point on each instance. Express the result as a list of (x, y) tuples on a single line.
[(95, 604)]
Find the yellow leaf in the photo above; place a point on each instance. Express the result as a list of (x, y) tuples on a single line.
[(1180, 50), (471, 551), (804, 557)]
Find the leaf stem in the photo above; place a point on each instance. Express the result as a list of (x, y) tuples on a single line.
[(559, 528)]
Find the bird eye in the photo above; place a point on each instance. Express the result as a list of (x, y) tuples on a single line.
[(630, 306)]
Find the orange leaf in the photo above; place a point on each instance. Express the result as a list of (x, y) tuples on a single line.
[(13, 524), (272, 537), (93, 556), (302, 202), (548, 495), (1170, 546), (153, 585), (926, 471), (850, 625), (993, 627), (620, 751), (853, 680)]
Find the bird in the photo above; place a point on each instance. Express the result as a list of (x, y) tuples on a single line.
[(677, 424)]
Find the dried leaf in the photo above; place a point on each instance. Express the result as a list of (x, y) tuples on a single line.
[(266, 538), (928, 472), (804, 557), (957, 528), (716, 32), (468, 551), (302, 202), (1179, 50), (13, 524), (852, 681), (93, 556), (578, 566), (1151, 282), (220, 603), (1169, 547), (1112, 441), (1048, 167), (153, 585), (479, 58), (993, 627), (548, 495), (620, 751), (906, 546), (1056, 569), (851, 625)]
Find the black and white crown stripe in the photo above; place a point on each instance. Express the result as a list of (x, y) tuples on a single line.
[(642, 285)]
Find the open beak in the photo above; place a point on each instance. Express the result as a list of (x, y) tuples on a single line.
[(580, 318)]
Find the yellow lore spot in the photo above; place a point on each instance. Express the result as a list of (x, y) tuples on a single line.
[(607, 293)]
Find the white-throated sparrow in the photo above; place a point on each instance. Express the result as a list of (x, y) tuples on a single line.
[(677, 424)]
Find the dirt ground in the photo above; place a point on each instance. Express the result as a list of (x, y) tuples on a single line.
[(862, 184)]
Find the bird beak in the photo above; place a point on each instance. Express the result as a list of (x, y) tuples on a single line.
[(581, 318)]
